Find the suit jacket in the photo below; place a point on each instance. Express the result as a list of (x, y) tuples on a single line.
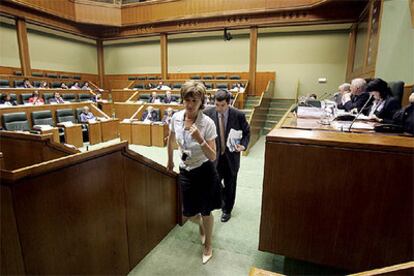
[(154, 116), (152, 100), (391, 105), (236, 121), (171, 99), (358, 101), (405, 118)]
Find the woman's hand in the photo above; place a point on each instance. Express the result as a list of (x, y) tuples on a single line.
[(195, 134), (170, 165)]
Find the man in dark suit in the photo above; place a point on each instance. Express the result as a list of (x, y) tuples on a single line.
[(150, 115), (228, 162), (169, 98), (357, 98)]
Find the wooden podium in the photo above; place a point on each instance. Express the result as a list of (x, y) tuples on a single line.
[(95, 133), (55, 133), (141, 133), (73, 135)]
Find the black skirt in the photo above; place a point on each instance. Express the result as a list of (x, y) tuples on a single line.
[(200, 190)]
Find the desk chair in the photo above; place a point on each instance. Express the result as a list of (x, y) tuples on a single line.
[(195, 77), (52, 75), (47, 97), (234, 77), (37, 74), (55, 85), (397, 89), (15, 121), (4, 84), (69, 97), (26, 97), (221, 77), (222, 86), (207, 77), (139, 86), (132, 78), (142, 78), (85, 97), (177, 86), (18, 83)]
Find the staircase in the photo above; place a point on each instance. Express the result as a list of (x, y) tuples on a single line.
[(278, 108), (250, 102)]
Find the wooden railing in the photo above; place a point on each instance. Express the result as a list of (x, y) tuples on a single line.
[(97, 212), (258, 112)]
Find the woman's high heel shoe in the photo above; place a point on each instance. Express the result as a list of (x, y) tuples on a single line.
[(207, 258)]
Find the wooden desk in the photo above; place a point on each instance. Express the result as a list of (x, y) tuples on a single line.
[(125, 132), (95, 133), (55, 134), (141, 133), (73, 135), (338, 199), (110, 129), (159, 134)]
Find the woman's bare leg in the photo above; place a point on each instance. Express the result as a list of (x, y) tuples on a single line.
[(208, 222)]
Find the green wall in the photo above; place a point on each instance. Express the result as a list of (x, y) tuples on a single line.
[(208, 54), (395, 60), (52, 52), (133, 58), (9, 48), (303, 57)]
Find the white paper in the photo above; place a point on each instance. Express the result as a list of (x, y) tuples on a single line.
[(234, 139), (42, 127), (309, 112)]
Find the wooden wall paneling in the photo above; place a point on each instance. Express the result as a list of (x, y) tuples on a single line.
[(412, 12), (125, 110), (164, 56), (101, 64), (23, 47), (252, 60), (11, 258), (408, 88), (90, 13), (262, 80)]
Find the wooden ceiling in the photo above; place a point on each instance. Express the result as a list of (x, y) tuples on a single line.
[(100, 20)]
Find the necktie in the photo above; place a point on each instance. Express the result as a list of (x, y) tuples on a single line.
[(222, 135)]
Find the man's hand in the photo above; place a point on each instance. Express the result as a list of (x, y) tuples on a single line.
[(346, 97), (239, 148)]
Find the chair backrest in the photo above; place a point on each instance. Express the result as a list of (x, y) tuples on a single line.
[(47, 97), (208, 85), (177, 85), (397, 89), (208, 77), (139, 86), (37, 74), (55, 85), (43, 117), (78, 112), (18, 83), (65, 77), (85, 97), (144, 97), (195, 77), (69, 84), (26, 97), (13, 97), (68, 97), (132, 78), (4, 83), (141, 78), (18, 73), (37, 83), (15, 121), (65, 115), (221, 77), (221, 86), (52, 75), (234, 77), (152, 77), (77, 77)]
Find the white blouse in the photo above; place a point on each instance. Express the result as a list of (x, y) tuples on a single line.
[(186, 144)]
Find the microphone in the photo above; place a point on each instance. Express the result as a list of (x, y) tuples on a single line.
[(359, 113)]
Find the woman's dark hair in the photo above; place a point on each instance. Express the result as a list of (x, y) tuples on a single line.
[(381, 86), (222, 95)]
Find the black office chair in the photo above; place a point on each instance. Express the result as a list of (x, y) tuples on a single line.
[(13, 97), (18, 83), (65, 77), (69, 97), (208, 85), (43, 117), (221, 77), (177, 85), (47, 97), (77, 77), (15, 121), (132, 78), (65, 115), (144, 97), (55, 85), (26, 97), (85, 97), (139, 86), (69, 84), (207, 77), (234, 77), (221, 86), (142, 78), (52, 75), (397, 89), (37, 74), (152, 78), (195, 77), (37, 83), (18, 73)]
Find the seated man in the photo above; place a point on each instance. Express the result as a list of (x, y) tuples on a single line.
[(357, 98), (27, 84), (75, 86), (405, 116), (86, 116), (154, 98), (167, 116), (338, 96), (44, 85), (7, 100), (63, 86), (150, 115), (238, 88), (86, 86), (161, 86), (35, 99), (57, 99), (169, 98)]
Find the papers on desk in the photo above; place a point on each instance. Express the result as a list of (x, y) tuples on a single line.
[(126, 121), (42, 127), (234, 139), (65, 124), (344, 125), (309, 112), (102, 119)]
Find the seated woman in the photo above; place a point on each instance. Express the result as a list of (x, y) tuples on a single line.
[(86, 115), (167, 116), (405, 116), (384, 105), (27, 84), (57, 99), (150, 115), (7, 100), (75, 85), (35, 99), (44, 85), (63, 86), (86, 86)]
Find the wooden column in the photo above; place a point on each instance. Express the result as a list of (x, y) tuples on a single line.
[(101, 65), (23, 47), (253, 61), (164, 56)]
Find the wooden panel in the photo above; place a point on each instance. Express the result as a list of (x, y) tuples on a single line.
[(101, 64), (73, 135), (407, 92), (164, 56), (125, 132), (24, 149), (55, 134), (141, 134), (97, 14), (23, 47), (125, 110), (11, 259), (95, 133), (110, 129), (81, 220), (159, 134), (252, 61), (323, 204)]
